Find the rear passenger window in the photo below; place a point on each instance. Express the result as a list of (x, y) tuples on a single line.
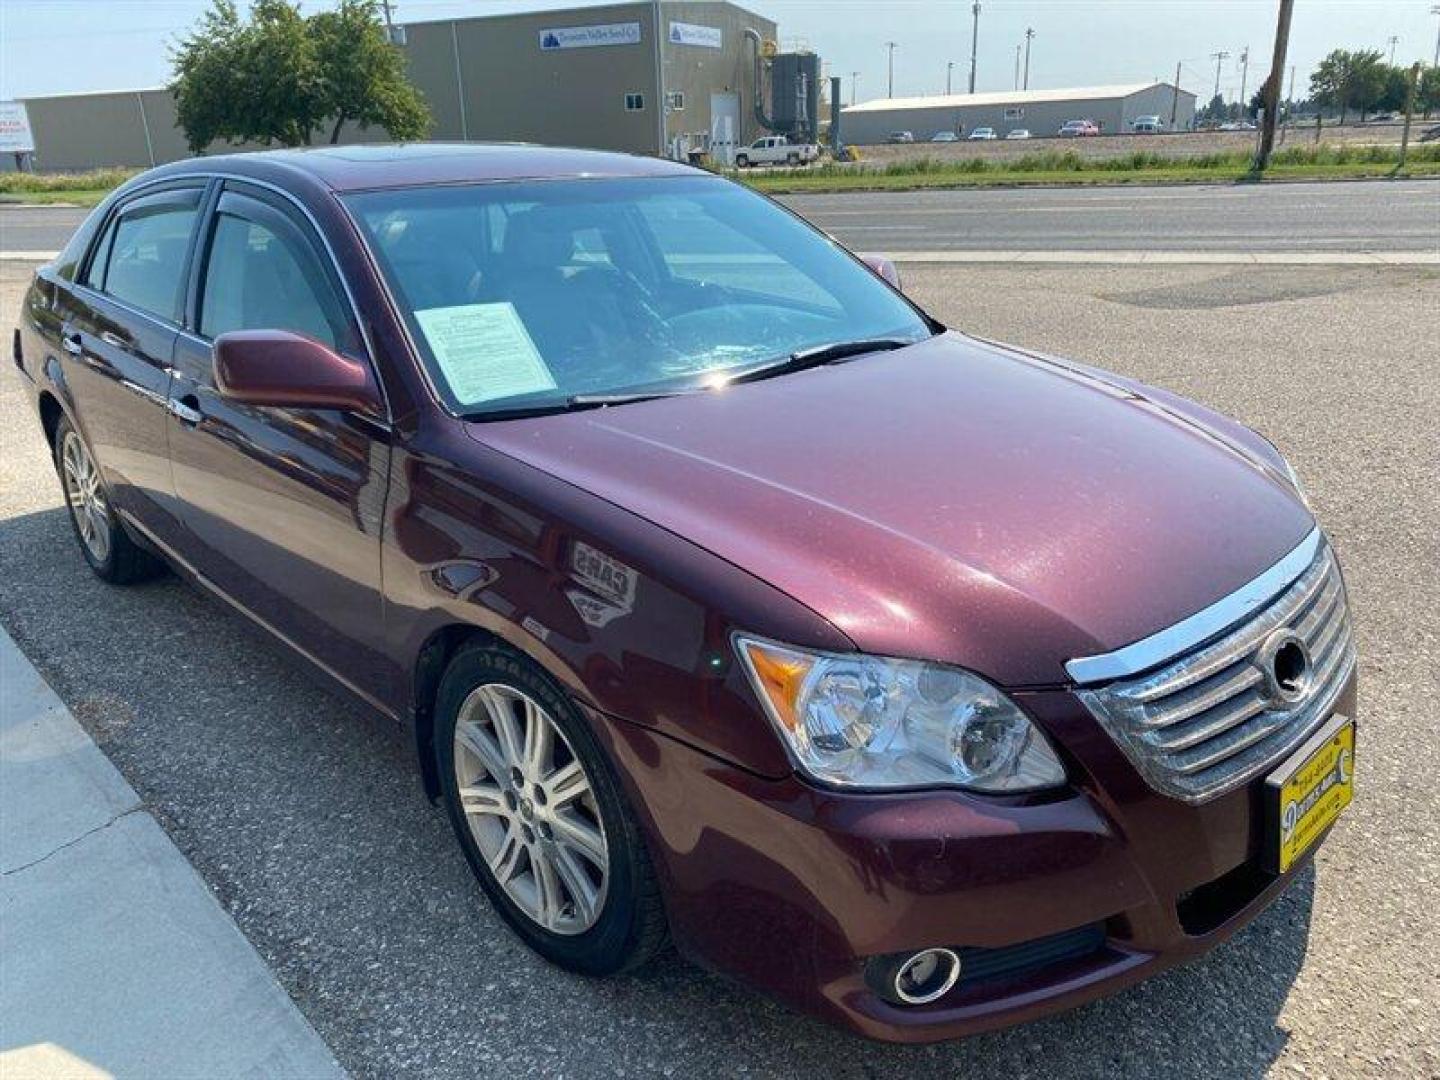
[(141, 258), (260, 278)]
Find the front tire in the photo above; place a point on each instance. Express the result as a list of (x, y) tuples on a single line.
[(106, 545), (741, 161), (540, 816)]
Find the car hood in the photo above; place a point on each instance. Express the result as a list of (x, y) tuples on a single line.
[(953, 500)]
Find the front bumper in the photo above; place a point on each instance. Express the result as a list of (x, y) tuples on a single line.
[(794, 889)]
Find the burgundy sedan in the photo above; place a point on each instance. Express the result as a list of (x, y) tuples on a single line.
[(926, 683)]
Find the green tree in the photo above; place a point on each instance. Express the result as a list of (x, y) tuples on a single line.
[(362, 75), (1394, 89), (1427, 95), (278, 76), (1345, 79)]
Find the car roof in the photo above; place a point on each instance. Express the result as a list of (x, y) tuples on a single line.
[(362, 167)]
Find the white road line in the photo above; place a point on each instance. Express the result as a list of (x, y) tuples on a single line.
[(27, 256)]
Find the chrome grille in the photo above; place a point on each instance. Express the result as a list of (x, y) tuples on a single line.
[(1215, 717)]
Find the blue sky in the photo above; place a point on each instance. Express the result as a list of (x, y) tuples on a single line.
[(57, 46)]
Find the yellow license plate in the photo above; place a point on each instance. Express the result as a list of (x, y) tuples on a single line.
[(1308, 792)]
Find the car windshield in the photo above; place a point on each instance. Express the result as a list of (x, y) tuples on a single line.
[(539, 295)]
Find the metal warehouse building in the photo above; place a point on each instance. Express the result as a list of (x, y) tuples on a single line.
[(1041, 112), (652, 76)]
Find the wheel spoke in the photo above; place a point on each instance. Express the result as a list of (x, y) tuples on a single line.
[(507, 859), (480, 745), (549, 899), (565, 785), (575, 833), (539, 742), (583, 893), (484, 799), (501, 707)]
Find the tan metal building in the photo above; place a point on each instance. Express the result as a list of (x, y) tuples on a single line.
[(651, 76), (1041, 112)]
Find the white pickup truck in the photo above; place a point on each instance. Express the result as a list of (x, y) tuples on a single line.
[(776, 150)]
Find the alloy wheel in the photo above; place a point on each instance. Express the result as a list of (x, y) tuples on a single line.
[(531, 809), (87, 501)]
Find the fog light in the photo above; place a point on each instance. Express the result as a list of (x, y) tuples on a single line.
[(927, 976)]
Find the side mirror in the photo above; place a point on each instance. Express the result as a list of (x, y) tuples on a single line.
[(277, 367), (883, 267)]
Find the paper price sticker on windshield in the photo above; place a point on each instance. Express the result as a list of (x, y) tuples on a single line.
[(484, 352)]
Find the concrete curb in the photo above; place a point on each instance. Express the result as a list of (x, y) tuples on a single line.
[(115, 958)]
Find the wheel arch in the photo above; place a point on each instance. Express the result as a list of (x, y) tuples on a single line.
[(51, 412), (430, 663)]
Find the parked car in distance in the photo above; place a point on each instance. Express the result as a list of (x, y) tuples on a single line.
[(1018, 133), (776, 150), (727, 597), (1238, 125), (945, 136), (1147, 125), (900, 137), (982, 134), (1078, 128)]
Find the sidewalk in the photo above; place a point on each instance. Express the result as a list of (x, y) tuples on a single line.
[(115, 960)]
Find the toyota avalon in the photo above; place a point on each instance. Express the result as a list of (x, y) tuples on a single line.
[(927, 683)]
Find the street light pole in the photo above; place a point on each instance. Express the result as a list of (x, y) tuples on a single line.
[(1029, 34), (890, 84), (949, 67), (1392, 43), (974, 41), (1017, 67), (1244, 75), (1435, 10), (854, 78)]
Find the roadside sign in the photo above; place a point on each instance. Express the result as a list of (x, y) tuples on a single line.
[(15, 134)]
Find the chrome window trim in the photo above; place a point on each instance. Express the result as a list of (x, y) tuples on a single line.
[(1169, 643), (366, 339)]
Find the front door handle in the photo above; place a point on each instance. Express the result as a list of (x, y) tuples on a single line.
[(184, 411), (71, 344)]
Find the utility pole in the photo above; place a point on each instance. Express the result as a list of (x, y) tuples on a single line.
[(1175, 98), (1244, 76), (1272, 85), (1435, 10), (1017, 67), (1029, 36), (949, 67), (890, 85), (974, 41), (389, 22), (854, 78), (1219, 58), (1409, 113)]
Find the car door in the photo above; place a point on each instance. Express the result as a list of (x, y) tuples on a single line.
[(283, 505), (119, 327)]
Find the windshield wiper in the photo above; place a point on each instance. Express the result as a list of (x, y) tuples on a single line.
[(574, 403), (817, 355)]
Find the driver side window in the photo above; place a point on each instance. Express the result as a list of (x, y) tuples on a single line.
[(263, 278)]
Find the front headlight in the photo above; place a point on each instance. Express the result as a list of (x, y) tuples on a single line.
[(870, 722)]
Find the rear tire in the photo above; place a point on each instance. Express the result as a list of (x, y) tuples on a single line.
[(104, 543), (539, 813)]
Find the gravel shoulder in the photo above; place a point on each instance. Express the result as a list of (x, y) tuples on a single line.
[(302, 813)]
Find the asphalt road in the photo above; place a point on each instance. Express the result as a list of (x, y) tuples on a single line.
[(303, 814), (1331, 217)]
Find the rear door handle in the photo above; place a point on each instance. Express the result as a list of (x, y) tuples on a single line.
[(184, 411)]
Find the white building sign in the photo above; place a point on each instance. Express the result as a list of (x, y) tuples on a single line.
[(707, 37), (588, 37), (15, 136)]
